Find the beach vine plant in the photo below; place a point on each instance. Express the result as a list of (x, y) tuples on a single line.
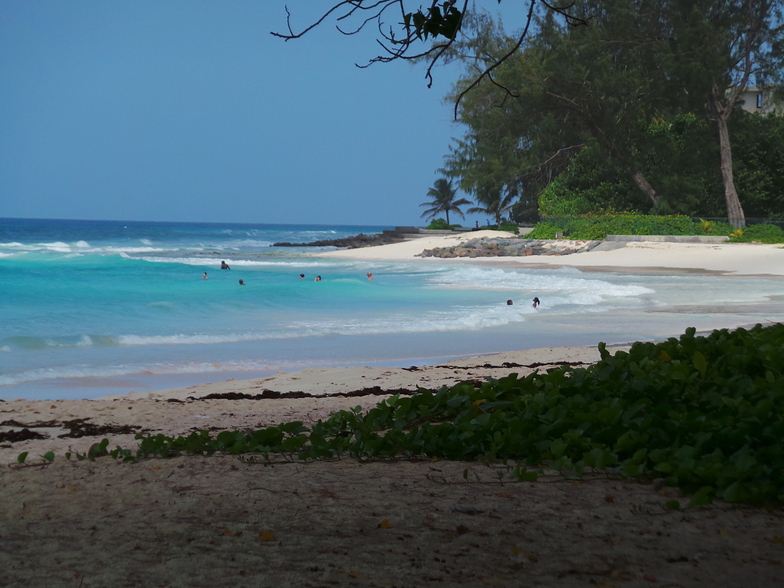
[(706, 413)]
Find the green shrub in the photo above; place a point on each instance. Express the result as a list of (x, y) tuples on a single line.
[(543, 230), (593, 227), (439, 224), (759, 233), (509, 227)]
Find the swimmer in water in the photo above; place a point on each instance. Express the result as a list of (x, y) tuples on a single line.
[(536, 302), (242, 283)]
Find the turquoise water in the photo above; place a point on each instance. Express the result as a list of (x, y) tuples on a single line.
[(89, 308)]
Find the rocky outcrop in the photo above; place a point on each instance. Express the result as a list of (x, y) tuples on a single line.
[(354, 242), (495, 247)]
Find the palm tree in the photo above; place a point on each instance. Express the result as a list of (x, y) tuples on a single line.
[(443, 195), (493, 203)]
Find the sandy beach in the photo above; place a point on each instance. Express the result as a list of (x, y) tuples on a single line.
[(221, 521), (741, 259)]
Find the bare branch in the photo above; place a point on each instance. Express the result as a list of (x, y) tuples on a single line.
[(442, 18)]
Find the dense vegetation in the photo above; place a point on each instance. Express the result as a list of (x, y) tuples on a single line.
[(635, 112), (593, 227), (706, 413)]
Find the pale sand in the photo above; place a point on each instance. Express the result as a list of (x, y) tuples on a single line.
[(727, 258)]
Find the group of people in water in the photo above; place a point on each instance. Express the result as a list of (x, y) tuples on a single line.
[(225, 266), (536, 302)]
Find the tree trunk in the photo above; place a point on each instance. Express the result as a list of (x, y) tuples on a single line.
[(734, 210), (643, 184), (447, 216)]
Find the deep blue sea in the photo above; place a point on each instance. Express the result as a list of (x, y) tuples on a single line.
[(89, 308)]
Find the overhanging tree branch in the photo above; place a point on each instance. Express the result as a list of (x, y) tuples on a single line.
[(442, 21)]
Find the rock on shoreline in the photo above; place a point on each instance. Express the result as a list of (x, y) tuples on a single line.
[(498, 247), (354, 242)]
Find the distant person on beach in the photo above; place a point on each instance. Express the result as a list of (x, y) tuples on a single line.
[(509, 303), (204, 276), (242, 283), (370, 276), (302, 276), (318, 279), (536, 302), (224, 265)]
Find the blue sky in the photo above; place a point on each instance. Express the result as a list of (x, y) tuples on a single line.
[(189, 110)]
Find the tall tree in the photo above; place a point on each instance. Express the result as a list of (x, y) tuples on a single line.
[(567, 88), (495, 203), (443, 200), (726, 46)]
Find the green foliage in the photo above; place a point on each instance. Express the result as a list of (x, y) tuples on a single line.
[(706, 413), (598, 227), (509, 227), (439, 20), (591, 184), (440, 224), (761, 233), (590, 119), (543, 230), (443, 200), (758, 163)]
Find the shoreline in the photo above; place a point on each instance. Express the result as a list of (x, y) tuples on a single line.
[(179, 410), (727, 259), (306, 395)]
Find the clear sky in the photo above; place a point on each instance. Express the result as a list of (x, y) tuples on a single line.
[(189, 110)]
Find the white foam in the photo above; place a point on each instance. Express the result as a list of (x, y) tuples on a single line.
[(83, 341), (200, 339), (566, 280), (84, 371)]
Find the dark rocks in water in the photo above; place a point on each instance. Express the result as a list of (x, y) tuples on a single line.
[(354, 242)]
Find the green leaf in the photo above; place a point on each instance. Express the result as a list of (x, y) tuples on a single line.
[(702, 497), (22, 457), (699, 361)]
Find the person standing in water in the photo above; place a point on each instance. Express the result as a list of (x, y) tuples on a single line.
[(370, 276), (536, 302), (225, 265), (204, 276)]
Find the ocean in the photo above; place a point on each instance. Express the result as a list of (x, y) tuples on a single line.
[(90, 308)]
